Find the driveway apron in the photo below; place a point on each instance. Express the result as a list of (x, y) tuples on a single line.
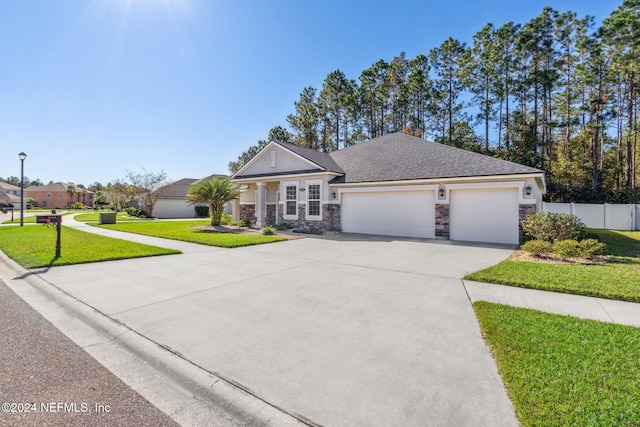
[(340, 331)]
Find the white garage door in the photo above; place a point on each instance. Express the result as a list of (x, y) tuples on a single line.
[(484, 215), (389, 213), (168, 208)]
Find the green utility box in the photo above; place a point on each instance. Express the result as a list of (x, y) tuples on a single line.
[(107, 218)]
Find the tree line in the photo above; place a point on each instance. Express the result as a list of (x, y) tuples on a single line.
[(558, 93)]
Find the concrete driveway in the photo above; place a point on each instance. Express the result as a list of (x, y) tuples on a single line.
[(338, 331)]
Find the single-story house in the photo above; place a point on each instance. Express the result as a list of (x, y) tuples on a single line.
[(9, 201), (172, 202), (9, 196), (396, 185)]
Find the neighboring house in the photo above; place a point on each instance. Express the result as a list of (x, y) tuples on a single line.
[(57, 195), (9, 202), (396, 185), (10, 196), (173, 202)]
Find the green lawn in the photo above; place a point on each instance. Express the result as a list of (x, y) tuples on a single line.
[(33, 246), (563, 371), (32, 219), (619, 279), (182, 230), (92, 216)]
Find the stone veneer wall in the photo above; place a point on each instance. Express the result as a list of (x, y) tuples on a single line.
[(526, 210), (330, 218), (442, 221), (248, 212), (270, 217)]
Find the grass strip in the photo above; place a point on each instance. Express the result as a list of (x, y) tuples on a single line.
[(184, 231), (564, 371), (34, 246), (31, 219), (618, 279), (94, 217)]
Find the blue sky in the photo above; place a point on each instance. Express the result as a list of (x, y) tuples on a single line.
[(92, 88)]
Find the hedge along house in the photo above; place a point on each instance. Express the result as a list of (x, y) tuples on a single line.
[(395, 185)]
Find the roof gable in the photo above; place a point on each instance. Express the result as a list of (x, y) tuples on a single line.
[(396, 157), (280, 159)]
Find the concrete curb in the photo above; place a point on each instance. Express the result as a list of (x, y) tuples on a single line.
[(187, 393)]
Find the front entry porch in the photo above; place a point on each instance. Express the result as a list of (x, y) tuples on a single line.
[(297, 204)]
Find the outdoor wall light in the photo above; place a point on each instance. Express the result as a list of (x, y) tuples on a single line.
[(334, 195), (527, 190), (441, 193)]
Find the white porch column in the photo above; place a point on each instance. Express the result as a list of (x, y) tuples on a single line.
[(261, 204), (235, 210)]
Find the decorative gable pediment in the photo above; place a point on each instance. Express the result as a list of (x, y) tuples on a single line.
[(276, 160)]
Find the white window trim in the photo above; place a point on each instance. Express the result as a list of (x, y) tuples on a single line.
[(313, 217), (286, 184)]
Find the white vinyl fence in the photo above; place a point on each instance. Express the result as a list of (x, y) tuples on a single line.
[(611, 217)]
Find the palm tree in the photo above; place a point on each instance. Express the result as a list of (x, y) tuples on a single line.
[(71, 190), (215, 192)]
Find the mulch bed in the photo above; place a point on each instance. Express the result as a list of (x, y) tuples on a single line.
[(554, 259), (239, 230)]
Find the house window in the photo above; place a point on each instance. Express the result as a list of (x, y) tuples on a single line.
[(48, 193), (291, 192), (313, 201), (60, 194)]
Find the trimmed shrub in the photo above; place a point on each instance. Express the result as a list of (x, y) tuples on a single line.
[(537, 247), (590, 248), (268, 230), (131, 211), (226, 219), (77, 205), (568, 248), (553, 227), (247, 223)]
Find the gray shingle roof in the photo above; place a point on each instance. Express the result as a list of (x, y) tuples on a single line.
[(397, 157), (321, 159), (179, 189)]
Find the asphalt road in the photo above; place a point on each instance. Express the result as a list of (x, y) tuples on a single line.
[(47, 380)]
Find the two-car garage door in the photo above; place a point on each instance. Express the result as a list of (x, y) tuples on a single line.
[(389, 213), (475, 215)]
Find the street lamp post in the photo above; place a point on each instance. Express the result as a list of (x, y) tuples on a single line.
[(22, 157)]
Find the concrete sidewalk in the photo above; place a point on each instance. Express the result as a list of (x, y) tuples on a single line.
[(605, 310)]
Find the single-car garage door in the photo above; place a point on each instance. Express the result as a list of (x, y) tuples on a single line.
[(484, 215), (389, 213)]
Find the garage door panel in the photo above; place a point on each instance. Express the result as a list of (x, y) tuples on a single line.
[(408, 213), (484, 216)]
